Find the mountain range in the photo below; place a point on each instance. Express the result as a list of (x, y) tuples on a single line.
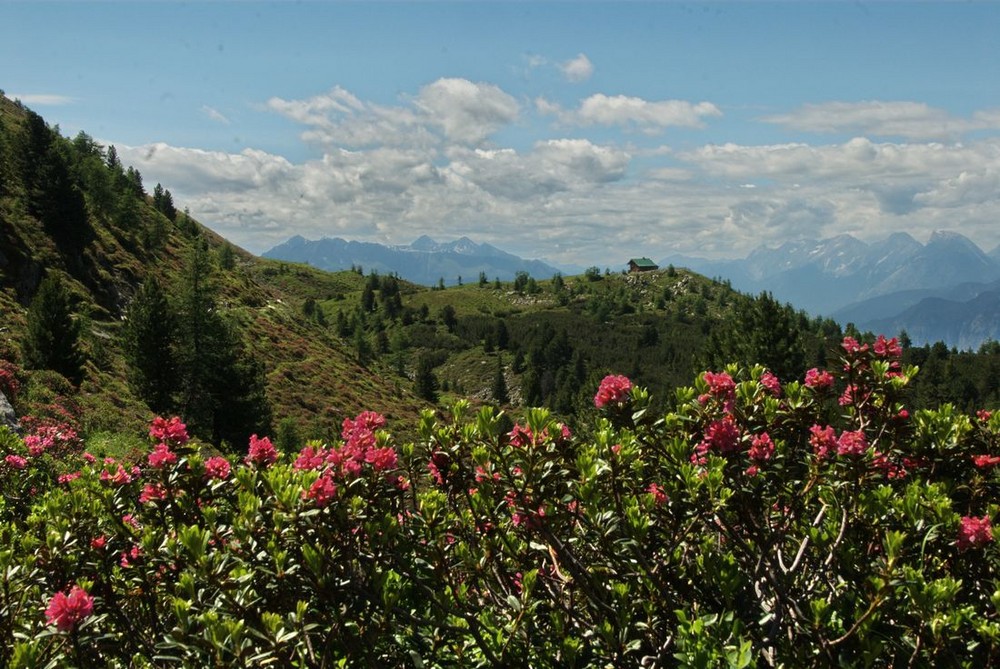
[(945, 290), (425, 261)]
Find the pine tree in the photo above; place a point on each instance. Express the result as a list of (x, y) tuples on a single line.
[(500, 394), (53, 338), (222, 394), (425, 383), (149, 344)]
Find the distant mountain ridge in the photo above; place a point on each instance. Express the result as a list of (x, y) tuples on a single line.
[(930, 290), (425, 261)]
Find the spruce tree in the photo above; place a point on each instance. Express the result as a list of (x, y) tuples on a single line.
[(148, 341), (500, 394), (53, 339), (425, 383)]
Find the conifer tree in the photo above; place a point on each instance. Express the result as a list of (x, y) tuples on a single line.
[(53, 338), (425, 383), (500, 394), (149, 344)]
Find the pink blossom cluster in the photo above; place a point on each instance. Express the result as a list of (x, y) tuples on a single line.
[(761, 448), (261, 452), (887, 348), (852, 442), (974, 532), (67, 611), (721, 436), (55, 438), (172, 432), (217, 467), (720, 385), (522, 436), (162, 456), (322, 491), (819, 379), (359, 447), (613, 391), (659, 495), (15, 461), (120, 476), (10, 386), (771, 383)]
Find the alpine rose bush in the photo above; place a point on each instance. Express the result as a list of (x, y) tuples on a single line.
[(754, 523)]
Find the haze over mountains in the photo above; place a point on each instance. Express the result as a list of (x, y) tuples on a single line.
[(425, 261), (947, 289)]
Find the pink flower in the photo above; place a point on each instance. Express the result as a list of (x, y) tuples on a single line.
[(66, 611), (310, 457), (984, 415), (171, 431), (381, 459), (321, 491), (819, 379), (852, 443), (659, 496), (152, 492), (851, 345), (89, 458), (16, 461), (613, 390), (98, 543), (119, 478), (217, 467), (720, 385), (887, 348), (722, 436), (761, 448), (823, 441), (131, 556), (986, 461), (66, 478), (771, 383), (261, 452), (521, 437), (162, 456), (974, 532)]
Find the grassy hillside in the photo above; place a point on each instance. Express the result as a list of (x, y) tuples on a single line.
[(109, 238)]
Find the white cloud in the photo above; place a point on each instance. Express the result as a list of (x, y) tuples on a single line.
[(43, 99), (446, 110), (214, 114), (577, 69), (911, 120), (468, 112), (431, 164), (632, 112)]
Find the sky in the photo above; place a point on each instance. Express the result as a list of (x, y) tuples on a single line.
[(579, 132)]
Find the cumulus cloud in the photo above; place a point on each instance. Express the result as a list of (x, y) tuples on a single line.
[(632, 112), (448, 109), (432, 164), (911, 120), (467, 112), (577, 69)]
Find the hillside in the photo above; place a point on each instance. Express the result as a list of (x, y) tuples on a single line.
[(69, 208)]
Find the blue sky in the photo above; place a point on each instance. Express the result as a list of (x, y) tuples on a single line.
[(580, 132)]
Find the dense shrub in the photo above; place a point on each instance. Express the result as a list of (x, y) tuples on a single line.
[(760, 522)]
